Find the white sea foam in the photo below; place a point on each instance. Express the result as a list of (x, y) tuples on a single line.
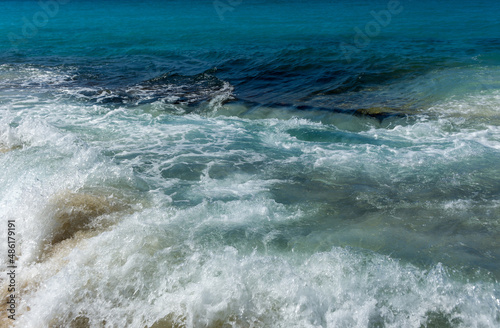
[(159, 273), (204, 220), (33, 77)]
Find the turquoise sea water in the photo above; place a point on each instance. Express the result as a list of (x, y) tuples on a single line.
[(251, 163)]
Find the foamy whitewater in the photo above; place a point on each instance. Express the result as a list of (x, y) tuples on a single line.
[(248, 164)]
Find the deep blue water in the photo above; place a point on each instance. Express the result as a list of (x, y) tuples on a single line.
[(251, 163)]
